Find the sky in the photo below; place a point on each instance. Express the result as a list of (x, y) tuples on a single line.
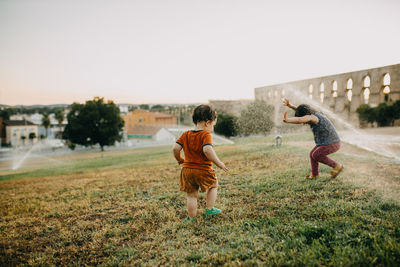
[(184, 51)]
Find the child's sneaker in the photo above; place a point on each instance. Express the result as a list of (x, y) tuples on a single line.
[(212, 211), (310, 177), (188, 219), (335, 171)]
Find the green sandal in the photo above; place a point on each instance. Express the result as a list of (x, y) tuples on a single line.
[(212, 211), (188, 219)]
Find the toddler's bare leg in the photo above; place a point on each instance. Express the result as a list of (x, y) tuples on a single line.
[(191, 202), (211, 197)]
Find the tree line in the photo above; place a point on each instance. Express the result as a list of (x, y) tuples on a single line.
[(99, 122), (7, 112)]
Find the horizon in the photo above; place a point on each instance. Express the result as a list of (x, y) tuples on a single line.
[(188, 103), (191, 103)]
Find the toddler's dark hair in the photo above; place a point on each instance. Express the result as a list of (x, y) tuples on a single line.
[(203, 113), (303, 110)]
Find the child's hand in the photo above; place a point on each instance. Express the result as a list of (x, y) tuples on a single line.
[(223, 167), (285, 102), (181, 161), (285, 116)]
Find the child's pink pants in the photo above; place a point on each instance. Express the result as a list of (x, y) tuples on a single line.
[(319, 154)]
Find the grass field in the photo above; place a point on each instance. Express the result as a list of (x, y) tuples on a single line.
[(125, 208)]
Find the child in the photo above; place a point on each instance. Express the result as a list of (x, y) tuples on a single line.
[(197, 169), (325, 136)]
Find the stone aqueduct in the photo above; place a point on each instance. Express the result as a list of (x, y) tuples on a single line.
[(342, 93)]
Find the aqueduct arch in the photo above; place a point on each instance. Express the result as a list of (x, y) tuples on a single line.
[(342, 93)]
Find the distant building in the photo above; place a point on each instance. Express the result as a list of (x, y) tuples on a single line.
[(123, 108), (232, 107), (16, 129), (53, 131), (342, 93), (153, 133), (141, 117)]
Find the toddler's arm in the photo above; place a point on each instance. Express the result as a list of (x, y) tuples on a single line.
[(177, 153), (211, 155)]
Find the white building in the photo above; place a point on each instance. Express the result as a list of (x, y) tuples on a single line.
[(151, 133), (20, 132), (54, 129), (123, 109)]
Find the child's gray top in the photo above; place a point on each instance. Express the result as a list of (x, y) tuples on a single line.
[(324, 131)]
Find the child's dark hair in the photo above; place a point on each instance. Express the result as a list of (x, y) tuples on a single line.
[(203, 113), (303, 110)]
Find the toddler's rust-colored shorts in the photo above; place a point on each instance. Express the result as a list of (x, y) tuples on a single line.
[(193, 179)]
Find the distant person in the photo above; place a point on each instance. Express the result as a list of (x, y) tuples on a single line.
[(326, 138), (197, 171)]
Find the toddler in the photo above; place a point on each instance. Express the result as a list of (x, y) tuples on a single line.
[(199, 154)]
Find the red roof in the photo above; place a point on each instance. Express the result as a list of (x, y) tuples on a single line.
[(18, 123)]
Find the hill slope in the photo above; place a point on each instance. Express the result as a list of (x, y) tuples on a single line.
[(125, 208)]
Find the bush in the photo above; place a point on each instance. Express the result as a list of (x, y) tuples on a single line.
[(71, 146), (256, 119), (396, 110), (226, 125), (385, 114), (6, 144), (366, 114)]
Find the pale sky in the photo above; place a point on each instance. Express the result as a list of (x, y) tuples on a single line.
[(177, 51)]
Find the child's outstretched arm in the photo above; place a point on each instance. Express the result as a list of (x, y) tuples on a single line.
[(286, 103), (177, 153), (211, 155), (300, 120)]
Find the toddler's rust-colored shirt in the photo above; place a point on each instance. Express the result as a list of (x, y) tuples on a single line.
[(193, 143)]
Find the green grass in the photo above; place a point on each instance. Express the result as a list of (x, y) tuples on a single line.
[(102, 161), (127, 210)]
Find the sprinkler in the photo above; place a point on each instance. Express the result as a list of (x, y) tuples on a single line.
[(278, 140)]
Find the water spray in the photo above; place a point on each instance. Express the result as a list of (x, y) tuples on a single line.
[(354, 136), (18, 162)]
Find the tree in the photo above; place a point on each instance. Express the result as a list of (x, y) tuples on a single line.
[(94, 122), (23, 137), (46, 122), (132, 108), (31, 137), (59, 116), (158, 108), (5, 114), (256, 119), (226, 125), (144, 106)]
